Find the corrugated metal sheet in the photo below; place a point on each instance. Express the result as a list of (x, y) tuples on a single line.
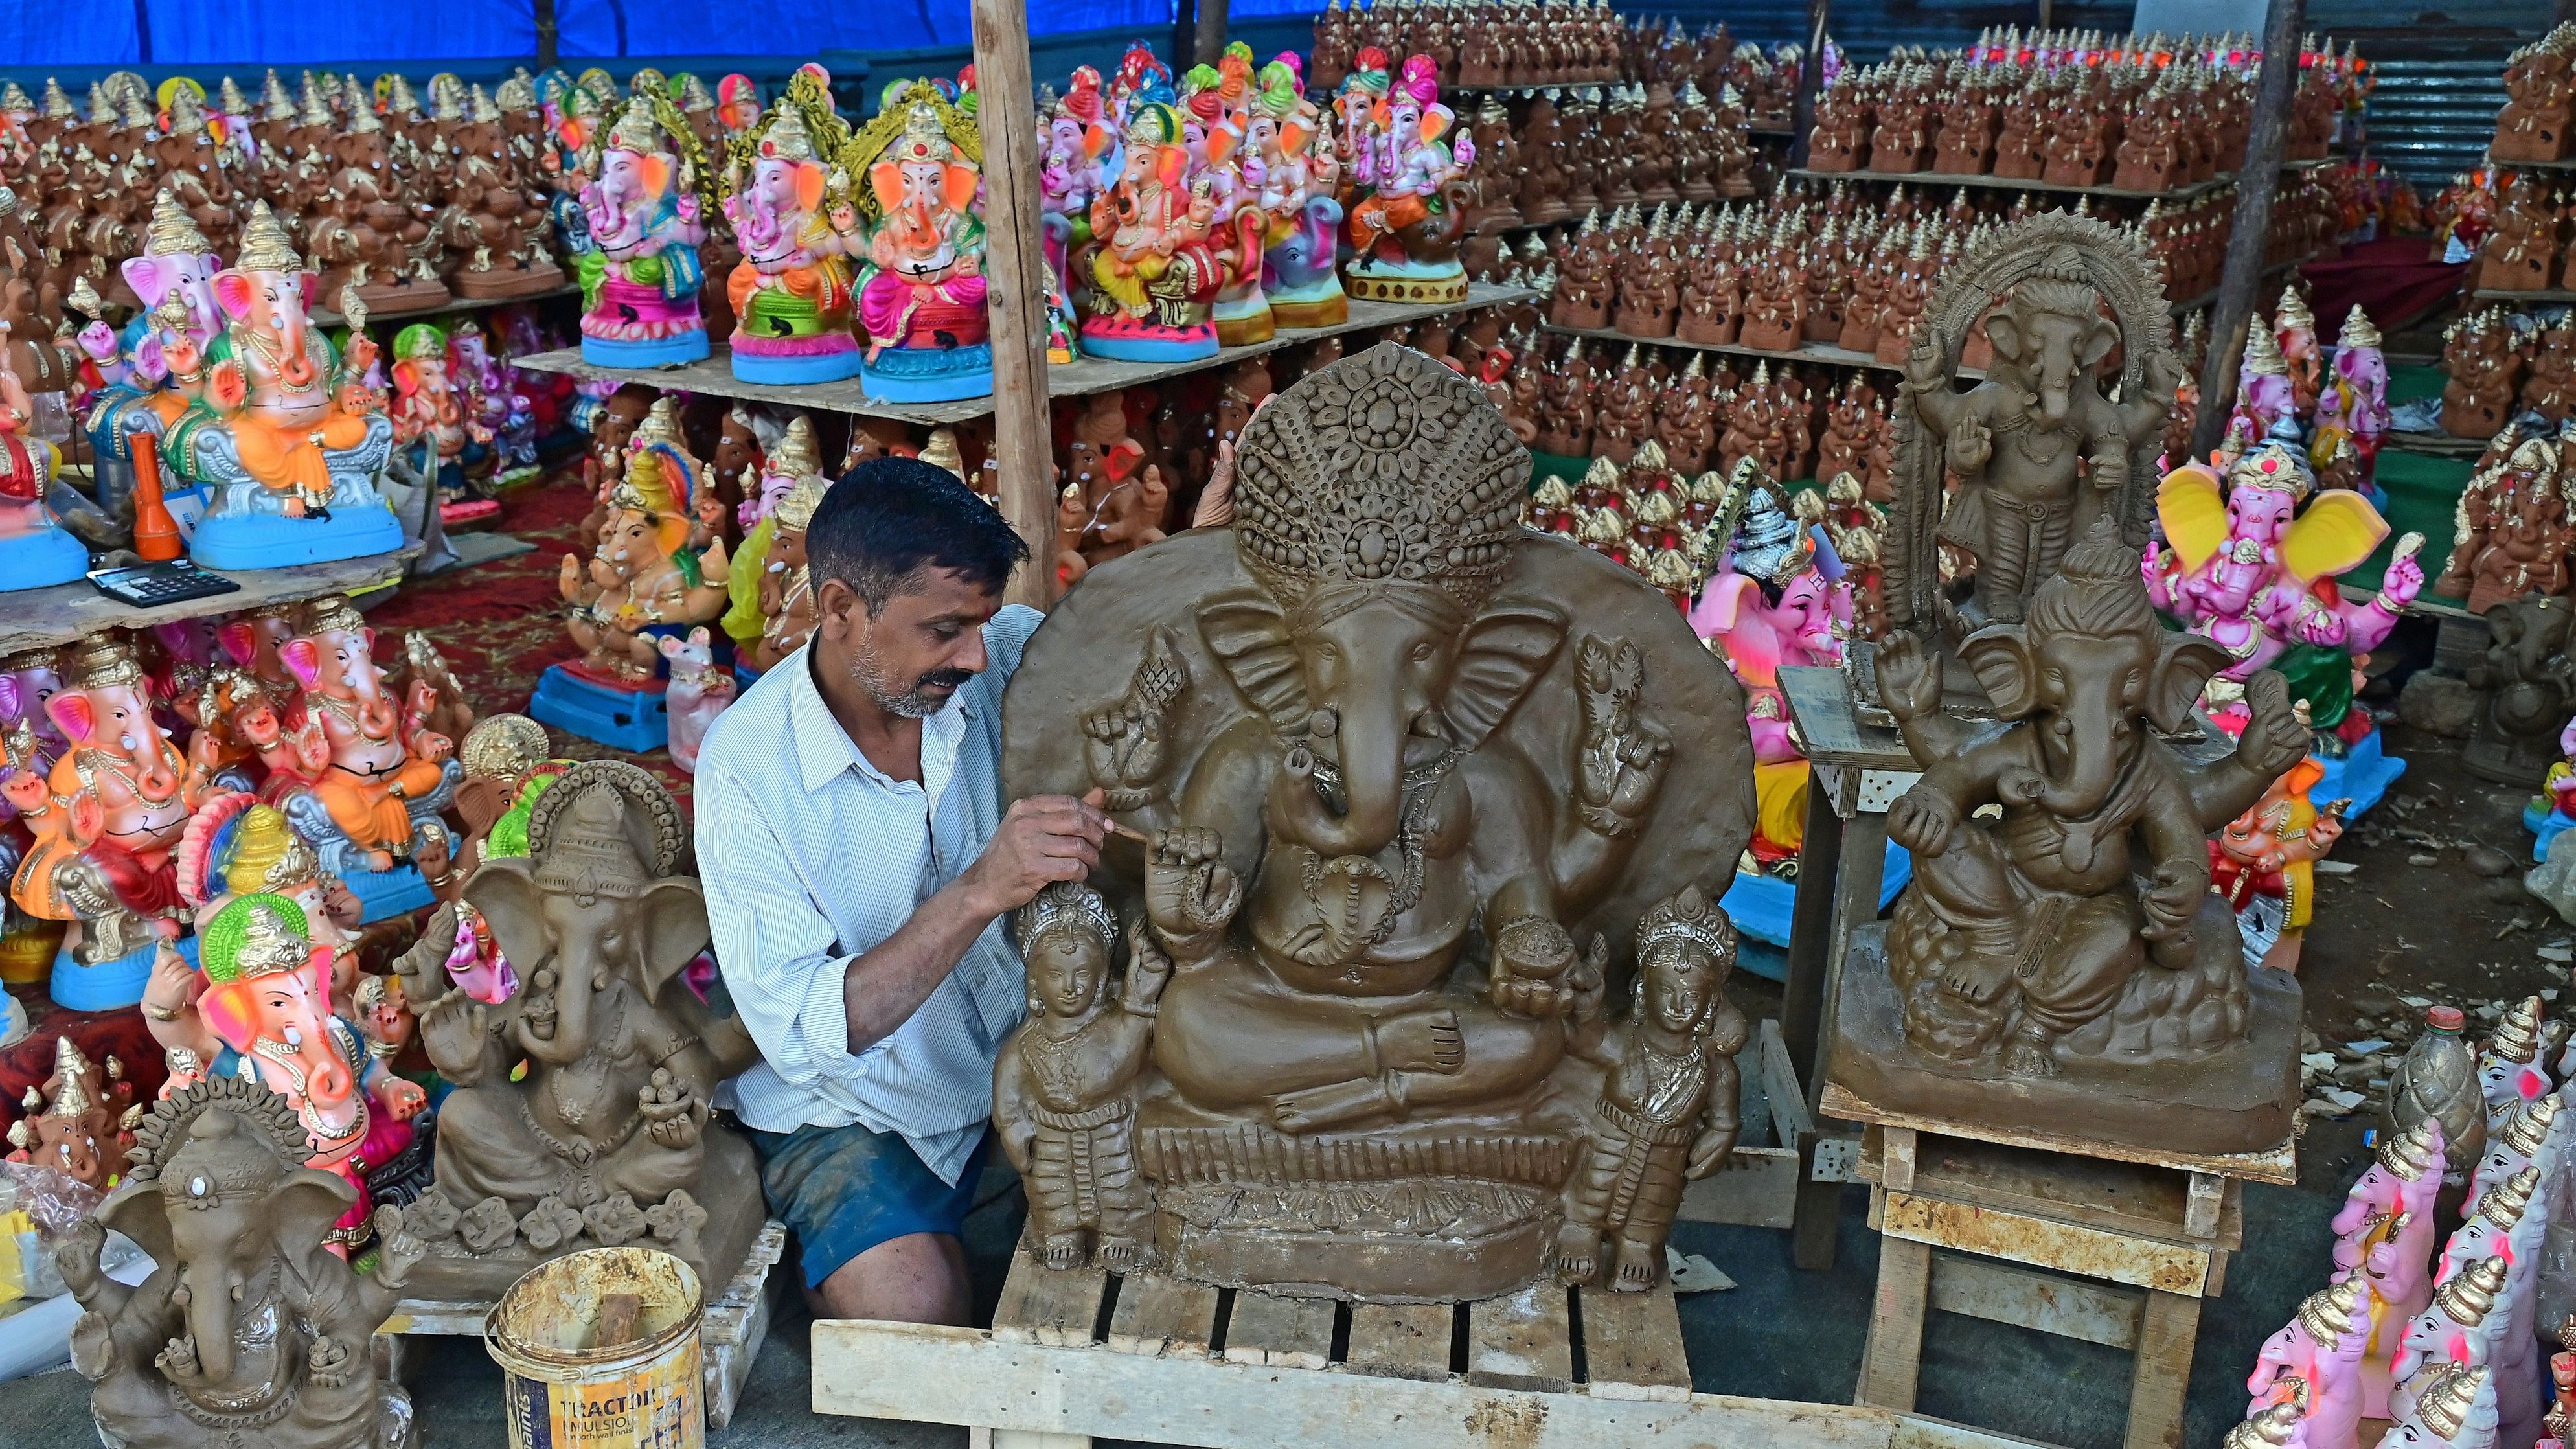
[(2431, 117)]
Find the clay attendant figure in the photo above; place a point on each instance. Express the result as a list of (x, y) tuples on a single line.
[(1065, 1082), (921, 294), (283, 434), (2040, 922), (1667, 1108), (791, 294), (640, 271)]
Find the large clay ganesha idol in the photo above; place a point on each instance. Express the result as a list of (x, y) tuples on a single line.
[(921, 294), (282, 436), (1413, 778)]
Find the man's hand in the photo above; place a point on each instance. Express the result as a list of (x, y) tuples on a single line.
[(1042, 839)]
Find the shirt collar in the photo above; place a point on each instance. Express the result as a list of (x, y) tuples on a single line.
[(824, 750)]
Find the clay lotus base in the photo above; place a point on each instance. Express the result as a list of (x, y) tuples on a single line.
[(1426, 288), (2242, 1098), (729, 1190), (504, 282)]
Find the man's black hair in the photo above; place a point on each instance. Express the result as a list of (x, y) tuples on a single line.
[(889, 519)]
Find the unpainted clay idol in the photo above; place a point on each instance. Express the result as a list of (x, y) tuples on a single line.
[(1419, 787)]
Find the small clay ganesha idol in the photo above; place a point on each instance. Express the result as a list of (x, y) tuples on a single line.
[(35, 549), (640, 273), (791, 294), (1154, 277), (921, 294), (1411, 166), (283, 434)]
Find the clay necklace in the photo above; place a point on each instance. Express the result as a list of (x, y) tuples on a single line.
[(261, 1332), (1421, 786), (87, 762)]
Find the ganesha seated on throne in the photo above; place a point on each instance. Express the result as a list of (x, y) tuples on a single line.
[(1395, 757)]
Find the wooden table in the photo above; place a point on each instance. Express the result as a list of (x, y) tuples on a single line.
[(2108, 1243), (38, 618), (1842, 864), (1081, 377)]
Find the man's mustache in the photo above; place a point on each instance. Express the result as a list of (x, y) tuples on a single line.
[(942, 679)]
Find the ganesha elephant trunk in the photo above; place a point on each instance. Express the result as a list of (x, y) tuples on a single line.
[(2054, 398), (2085, 749), (1369, 747), (208, 1289)]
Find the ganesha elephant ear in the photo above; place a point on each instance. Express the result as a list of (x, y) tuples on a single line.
[(2193, 512), (2183, 667), (506, 893), (673, 917), (2338, 530), (138, 1210), (1999, 655), (2004, 334), (1506, 649), (1248, 634), (302, 1209)]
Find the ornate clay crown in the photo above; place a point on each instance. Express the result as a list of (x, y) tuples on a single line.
[(2278, 463), (1385, 468), (2330, 1312), (2263, 354), (2407, 1154), (787, 138), (637, 130), (1686, 919), (2445, 1407), (2517, 1037), (1154, 124), (1065, 903), (661, 424), (2358, 330), (219, 1138), (923, 139), (518, 93), (2292, 312), (101, 661), (266, 855), (797, 455), (604, 828), (173, 232), (264, 245), (2466, 1295), (333, 614), (1769, 546), (2274, 1426), (2526, 1128)]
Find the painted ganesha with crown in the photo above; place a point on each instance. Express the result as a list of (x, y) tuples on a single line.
[(1423, 792)]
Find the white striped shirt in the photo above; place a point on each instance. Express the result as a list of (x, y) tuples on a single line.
[(811, 856)]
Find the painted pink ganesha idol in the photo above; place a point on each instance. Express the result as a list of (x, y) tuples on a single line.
[(640, 273), (922, 303)]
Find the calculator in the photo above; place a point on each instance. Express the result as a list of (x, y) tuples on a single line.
[(150, 586)]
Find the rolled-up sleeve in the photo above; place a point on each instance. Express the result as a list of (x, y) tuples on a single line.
[(777, 951)]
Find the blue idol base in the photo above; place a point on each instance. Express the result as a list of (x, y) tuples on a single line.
[(796, 371), (41, 559), (2545, 823), (1760, 905), (2362, 776), (659, 352), (627, 719), (275, 541), (384, 894), (928, 375), (109, 985), (1168, 346)]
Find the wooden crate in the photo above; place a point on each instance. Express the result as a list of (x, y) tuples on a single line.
[(1080, 1354), (1758, 1186), (735, 1324)]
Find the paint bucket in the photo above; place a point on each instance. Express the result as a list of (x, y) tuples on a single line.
[(561, 1390)]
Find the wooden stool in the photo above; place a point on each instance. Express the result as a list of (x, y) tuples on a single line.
[(2144, 1236)]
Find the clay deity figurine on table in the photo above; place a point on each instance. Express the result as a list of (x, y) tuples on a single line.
[(429, 410), (2483, 362), (2073, 948), (2354, 402), (36, 551), (2039, 452), (263, 1011), (2514, 530), (1064, 1084), (921, 292), (2252, 569), (104, 823), (1154, 276), (2524, 685), (390, 772), (646, 578), (1350, 693), (245, 1320), (283, 436), (75, 1123), (141, 395), (2264, 863), (638, 261), (791, 294), (785, 592), (236, 846), (605, 1138), (1667, 1111), (1768, 604), (1413, 196)]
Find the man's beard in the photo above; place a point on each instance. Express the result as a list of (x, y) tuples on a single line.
[(913, 700)]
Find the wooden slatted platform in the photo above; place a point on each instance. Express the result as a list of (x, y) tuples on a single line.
[(1079, 1354)]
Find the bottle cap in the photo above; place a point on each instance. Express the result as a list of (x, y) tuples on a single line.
[(2445, 1018)]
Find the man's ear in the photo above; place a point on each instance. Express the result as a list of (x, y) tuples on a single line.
[(839, 610)]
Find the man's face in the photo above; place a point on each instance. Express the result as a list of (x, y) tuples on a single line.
[(915, 653)]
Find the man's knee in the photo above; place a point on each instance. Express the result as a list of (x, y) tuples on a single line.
[(916, 1278)]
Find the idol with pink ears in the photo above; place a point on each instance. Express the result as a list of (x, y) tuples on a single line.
[(1410, 211), (640, 275)]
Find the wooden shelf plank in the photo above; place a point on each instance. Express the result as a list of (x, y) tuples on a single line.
[(1521, 1342), (1081, 377), (2558, 296), (1269, 1330), (37, 618), (1058, 1306), (1632, 1345), (2276, 1165), (330, 317), (1815, 352), (1156, 1314), (1937, 180)]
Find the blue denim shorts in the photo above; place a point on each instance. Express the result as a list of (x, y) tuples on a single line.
[(843, 1190)]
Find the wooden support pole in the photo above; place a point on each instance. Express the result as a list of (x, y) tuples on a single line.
[(547, 33), (2252, 228), (1811, 82), (1014, 263), (1211, 33), (1185, 38)]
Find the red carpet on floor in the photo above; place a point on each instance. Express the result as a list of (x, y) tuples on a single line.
[(2388, 278)]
